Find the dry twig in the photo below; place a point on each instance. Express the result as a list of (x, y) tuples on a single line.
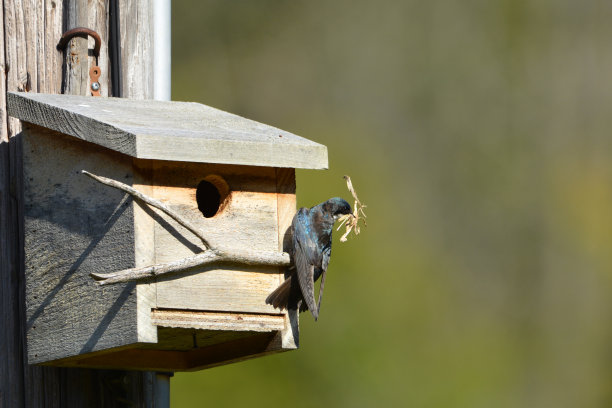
[(151, 201), (351, 221), (209, 256)]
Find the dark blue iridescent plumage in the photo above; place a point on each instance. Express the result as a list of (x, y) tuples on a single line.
[(312, 232)]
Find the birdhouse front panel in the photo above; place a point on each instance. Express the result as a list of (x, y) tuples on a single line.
[(235, 207)]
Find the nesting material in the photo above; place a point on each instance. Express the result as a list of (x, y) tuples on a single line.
[(351, 221)]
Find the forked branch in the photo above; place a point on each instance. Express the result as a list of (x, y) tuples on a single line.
[(152, 202), (209, 256)]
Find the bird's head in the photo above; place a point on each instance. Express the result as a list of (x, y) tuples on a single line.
[(337, 207)]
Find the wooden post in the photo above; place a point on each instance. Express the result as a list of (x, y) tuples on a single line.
[(29, 61)]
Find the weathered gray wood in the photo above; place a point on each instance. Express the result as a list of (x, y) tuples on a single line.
[(76, 66), (208, 257), (150, 201), (78, 59), (175, 131), (136, 49), (136, 18), (29, 61), (11, 356), (28, 64), (72, 231)]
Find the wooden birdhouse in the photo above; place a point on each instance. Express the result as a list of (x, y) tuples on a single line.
[(154, 232)]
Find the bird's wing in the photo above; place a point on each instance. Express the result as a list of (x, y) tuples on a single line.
[(325, 263), (303, 245)]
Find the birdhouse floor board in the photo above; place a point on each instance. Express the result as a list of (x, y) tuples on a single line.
[(230, 349)]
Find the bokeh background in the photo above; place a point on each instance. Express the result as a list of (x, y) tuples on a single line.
[(479, 134)]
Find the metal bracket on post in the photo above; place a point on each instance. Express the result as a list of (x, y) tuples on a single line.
[(94, 72)]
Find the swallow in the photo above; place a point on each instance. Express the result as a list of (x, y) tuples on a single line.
[(312, 239)]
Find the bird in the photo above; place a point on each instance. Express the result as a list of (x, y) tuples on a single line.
[(312, 240)]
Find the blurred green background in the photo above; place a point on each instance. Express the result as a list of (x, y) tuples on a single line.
[(478, 133)]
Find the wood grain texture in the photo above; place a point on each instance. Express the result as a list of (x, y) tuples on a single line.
[(11, 357), (74, 81), (136, 29), (286, 208), (149, 201), (27, 64), (218, 321), (144, 254), (163, 130), (30, 62), (72, 228), (78, 57), (247, 223)]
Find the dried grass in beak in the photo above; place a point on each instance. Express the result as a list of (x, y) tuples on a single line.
[(351, 221)]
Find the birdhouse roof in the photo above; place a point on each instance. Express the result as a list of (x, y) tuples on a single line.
[(164, 130)]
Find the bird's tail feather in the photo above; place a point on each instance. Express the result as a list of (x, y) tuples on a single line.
[(280, 297)]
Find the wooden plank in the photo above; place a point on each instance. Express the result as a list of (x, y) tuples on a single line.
[(218, 321), (286, 208), (164, 130), (248, 221), (76, 65), (11, 386), (29, 61), (144, 247), (78, 60), (136, 19), (27, 26), (11, 364), (255, 345), (74, 227)]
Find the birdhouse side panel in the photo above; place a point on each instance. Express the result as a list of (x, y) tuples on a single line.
[(144, 244), (286, 208), (75, 226)]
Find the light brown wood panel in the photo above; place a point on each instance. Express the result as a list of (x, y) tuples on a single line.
[(240, 349), (248, 221), (218, 321)]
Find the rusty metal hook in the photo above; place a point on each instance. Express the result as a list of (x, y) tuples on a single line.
[(81, 32), (94, 72)]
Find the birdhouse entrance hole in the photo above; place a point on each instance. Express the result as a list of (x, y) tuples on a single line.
[(212, 195)]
